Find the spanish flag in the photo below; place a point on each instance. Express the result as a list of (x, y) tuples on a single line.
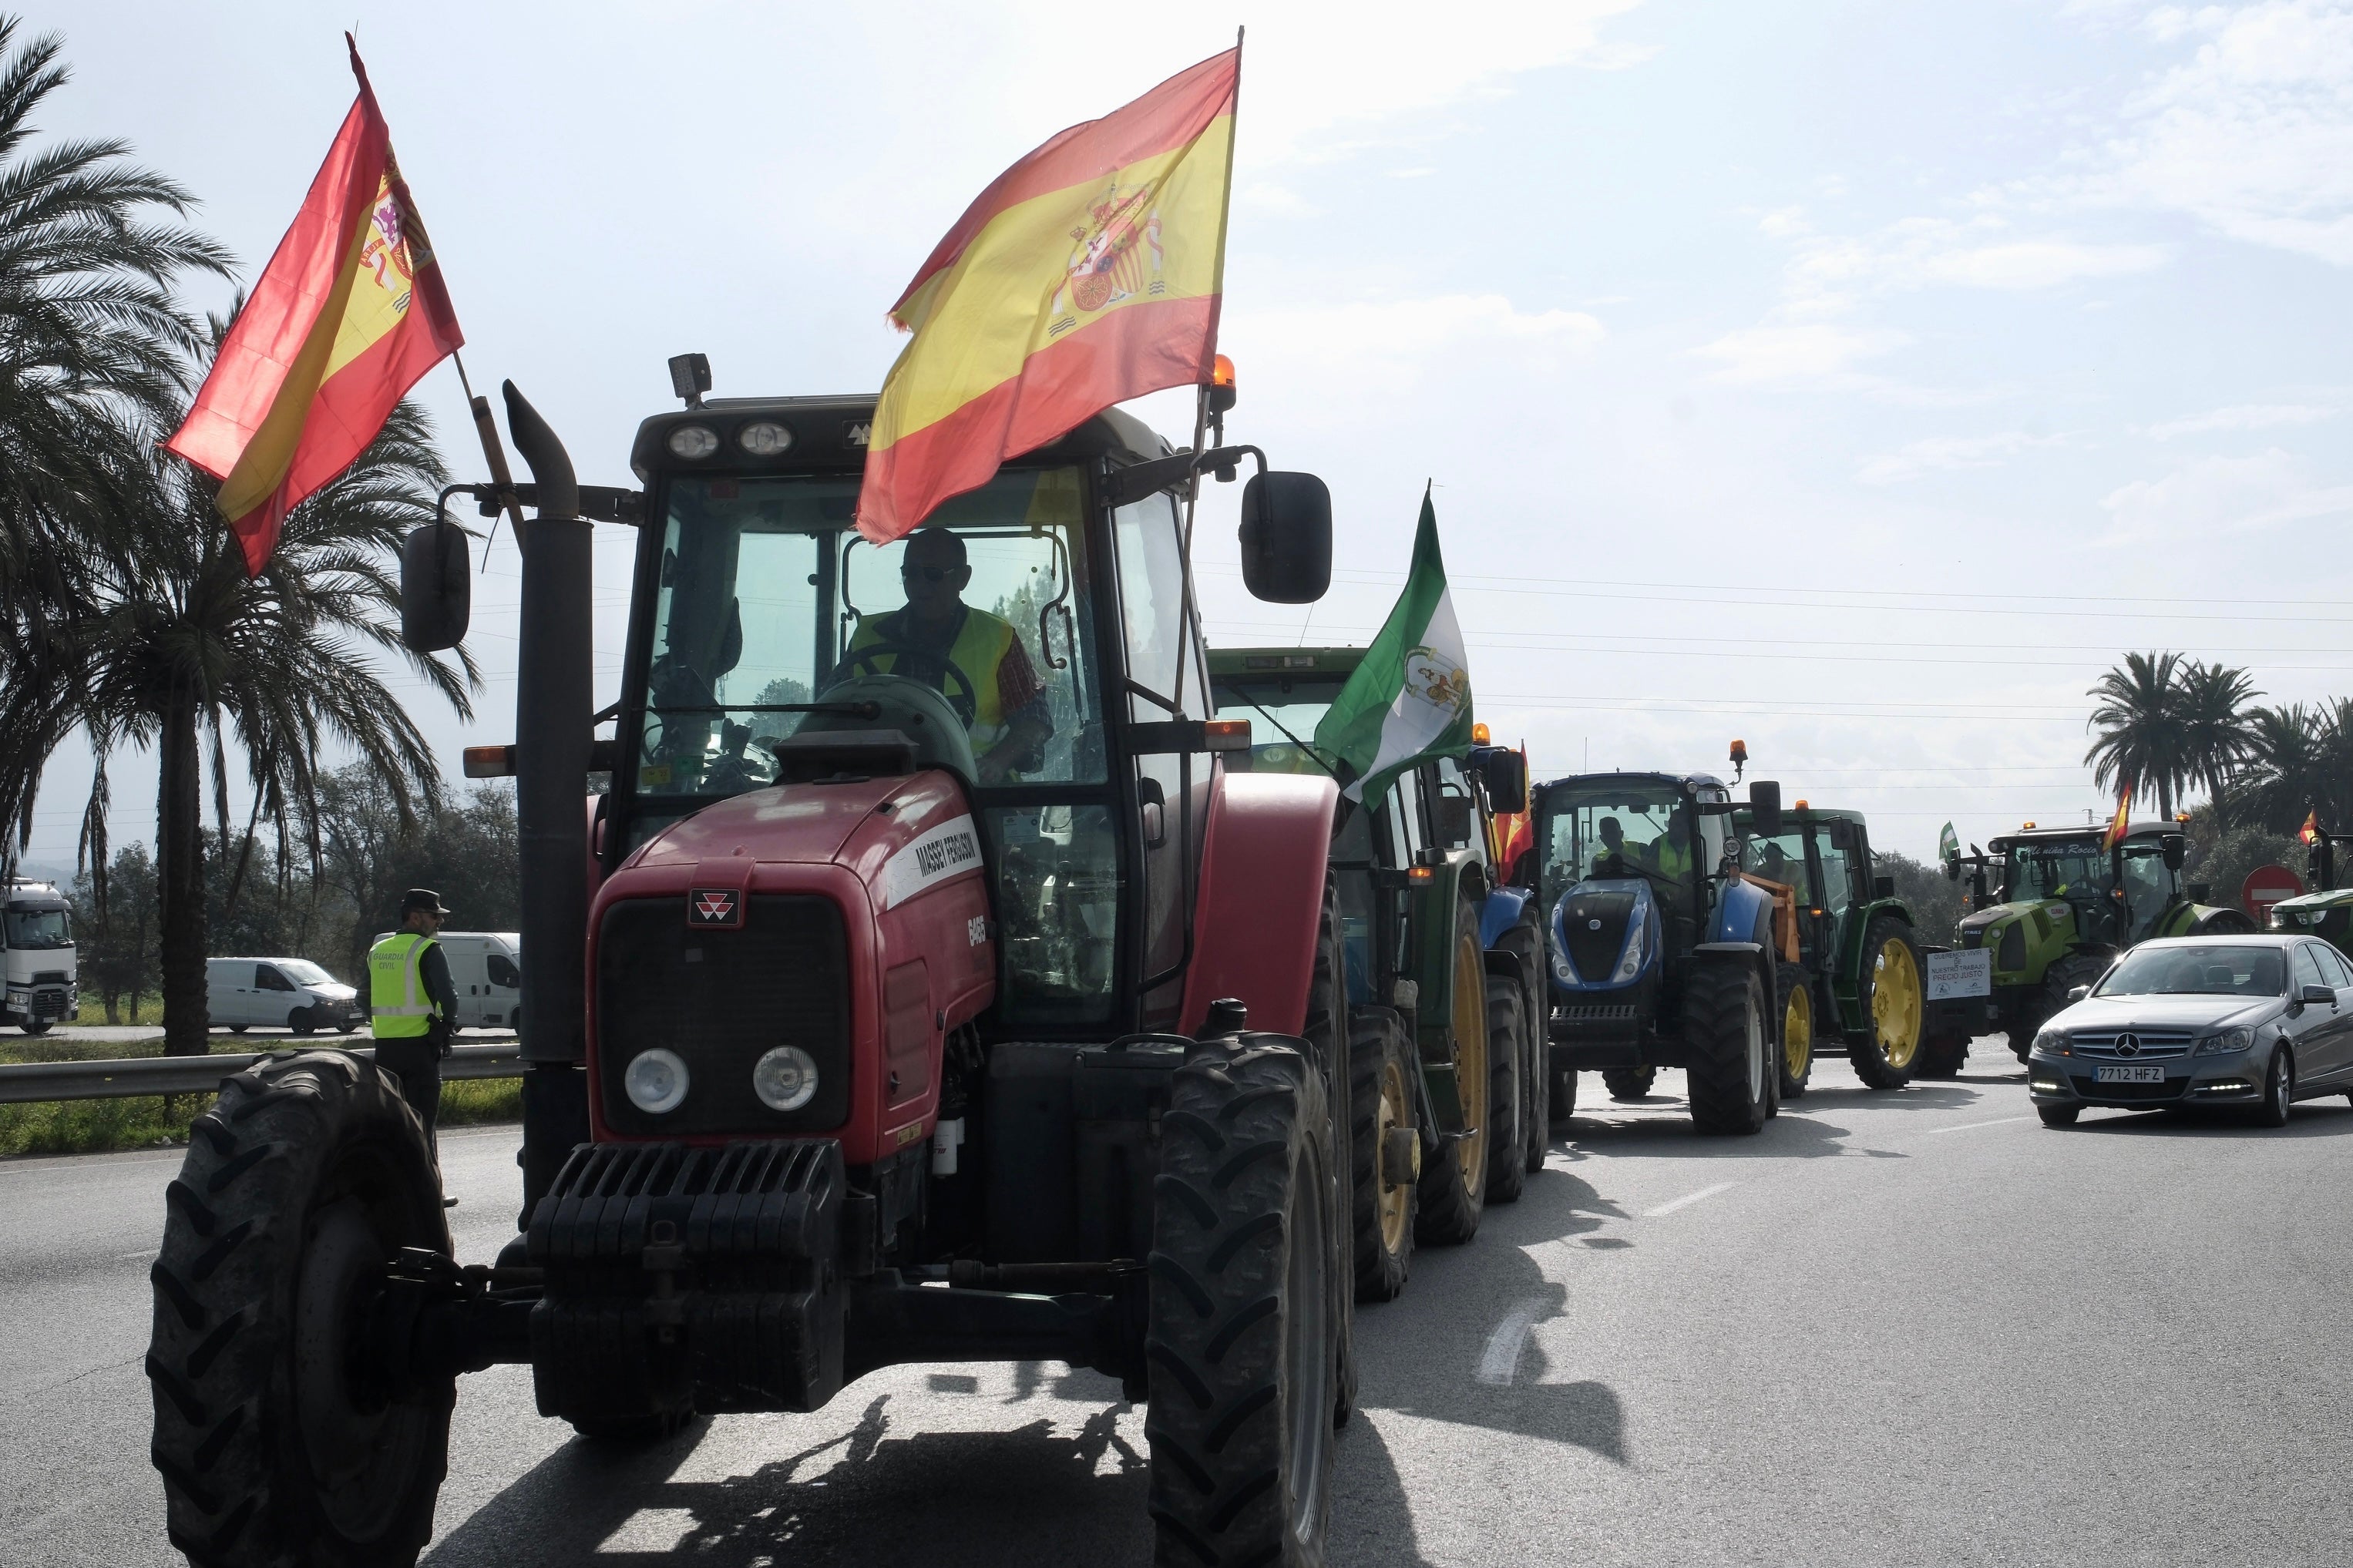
[(2115, 833), (2310, 832), (347, 316), (1088, 273)]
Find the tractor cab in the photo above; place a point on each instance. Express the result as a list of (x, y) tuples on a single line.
[(1823, 856)]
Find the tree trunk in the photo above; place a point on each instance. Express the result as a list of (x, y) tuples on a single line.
[(180, 879)]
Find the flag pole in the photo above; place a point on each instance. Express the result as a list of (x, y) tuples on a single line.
[(495, 455), (1201, 390)]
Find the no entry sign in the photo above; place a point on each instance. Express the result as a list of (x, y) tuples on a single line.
[(2265, 885)]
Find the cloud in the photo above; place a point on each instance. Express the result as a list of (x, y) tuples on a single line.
[(1942, 453), (2243, 416), (2222, 495), (1817, 354)]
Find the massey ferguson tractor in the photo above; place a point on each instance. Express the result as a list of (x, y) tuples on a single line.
[(886, 1012)]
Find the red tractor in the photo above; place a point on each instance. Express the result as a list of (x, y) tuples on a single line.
[(900, 1015)]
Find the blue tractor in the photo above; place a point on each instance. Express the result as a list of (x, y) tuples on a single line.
[(1660, 951)]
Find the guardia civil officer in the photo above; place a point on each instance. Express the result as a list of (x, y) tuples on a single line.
[(413, 1004)]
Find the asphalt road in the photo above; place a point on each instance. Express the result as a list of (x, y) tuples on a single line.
[(1916, 1328)]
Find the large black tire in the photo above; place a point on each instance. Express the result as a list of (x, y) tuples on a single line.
[(1524, 942), (1507, 1056), (1730, 1077), (1327, 1032), (1797, 1005), (1895, 1000), (307, 1176), (1383, 1198), (1454, 1185), (34, 1026), (1630, 1083), (2279, 1089), (1564, 1095), (300, 1022), (1248, 1284), (1941, 1056)]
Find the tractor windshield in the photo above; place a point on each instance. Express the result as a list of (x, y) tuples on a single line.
[(769, 596), (2057, 869), (1781, 858), (1283, 714), (1616, 828)]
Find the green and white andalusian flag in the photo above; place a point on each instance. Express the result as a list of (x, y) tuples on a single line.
[(1949, 844), (1410, 698)]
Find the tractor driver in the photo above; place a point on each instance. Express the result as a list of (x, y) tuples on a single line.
[(1011, 721)]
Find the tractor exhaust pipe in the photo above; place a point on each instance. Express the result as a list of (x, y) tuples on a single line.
[(554, 704)]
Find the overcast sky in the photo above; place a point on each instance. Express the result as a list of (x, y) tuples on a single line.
[(1857, 378)]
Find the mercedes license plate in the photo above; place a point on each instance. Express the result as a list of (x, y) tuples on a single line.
[(2128, 1075)]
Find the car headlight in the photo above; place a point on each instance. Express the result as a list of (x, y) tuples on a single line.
[(2227, 1043), (2051, 1042), (1633, 959), (784, 1078), (656, 1081)]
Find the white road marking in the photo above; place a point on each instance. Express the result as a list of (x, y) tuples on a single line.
[(1503, 1346), (1973, 1126), (128, 1256), (1689, 1198)]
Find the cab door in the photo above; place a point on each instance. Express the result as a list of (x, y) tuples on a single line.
[(1167, 681), (2324, 1035)]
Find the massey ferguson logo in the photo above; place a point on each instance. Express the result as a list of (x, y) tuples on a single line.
[(715, 907)]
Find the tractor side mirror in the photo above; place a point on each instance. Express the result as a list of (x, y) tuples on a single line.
[(1765, 806), (1506, 776), (1952, 869), (1883, 886), (437, 588), (1454, 820), (2177, 849), (1286, 538), (2199, 891), (1842, 837)]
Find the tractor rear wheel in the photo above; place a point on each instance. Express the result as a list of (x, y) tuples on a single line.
[(1524, 942), (1894, 1005), (300, 1185), (1563, 1098), (1247, 1284), (1384, 1149), (1507, 1054), (1797, 1028), (1630, 1083), (1455, 1186), (1327, 1031), (1941, 1056), (1724, 1024)]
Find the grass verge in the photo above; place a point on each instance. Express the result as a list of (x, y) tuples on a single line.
[(155, 1122)]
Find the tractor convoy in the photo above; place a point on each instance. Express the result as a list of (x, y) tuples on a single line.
[(1081, 1013)]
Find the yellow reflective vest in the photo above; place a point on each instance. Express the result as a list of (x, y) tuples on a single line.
[(980, 646), (396, 997)]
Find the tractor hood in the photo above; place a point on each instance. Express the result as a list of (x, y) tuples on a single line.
[(805, 822), (1605, 934), (2305, 908)]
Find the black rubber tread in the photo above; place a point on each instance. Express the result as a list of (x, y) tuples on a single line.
[(1941, 1056), (2058, 1115), (36, 1026), (1563, 1099), (1507, 1054), (1450, 1207), (1719, 1000), (1630, 1083), (2021, 1042), (1376, 1037), (289, 1141), (1862, 1049), (1219, 1309), (1326, 1033), (2274, 1109), (299, 1022), (1788, 978), (1524, 942)]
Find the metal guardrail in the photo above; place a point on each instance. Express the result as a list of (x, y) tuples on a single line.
[(25, 1083)]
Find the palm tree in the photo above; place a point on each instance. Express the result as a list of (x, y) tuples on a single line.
[(2287, 768), (91, 347), (2216, 731), (175, 645), (2142, 741)]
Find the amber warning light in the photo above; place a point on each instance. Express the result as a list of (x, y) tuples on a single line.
[(1478, 735), (1225, 735), (490, 762)]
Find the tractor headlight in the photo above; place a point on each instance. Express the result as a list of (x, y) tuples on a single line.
[(2229, 1042), (784, 1078), (1633, 959), (656, 1081), (692, 441)]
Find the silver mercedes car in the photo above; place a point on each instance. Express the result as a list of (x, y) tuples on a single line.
[(2259, 1021)]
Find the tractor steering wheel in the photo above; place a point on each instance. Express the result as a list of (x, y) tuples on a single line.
[(966, 704)]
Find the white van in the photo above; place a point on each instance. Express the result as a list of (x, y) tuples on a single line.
[(278, 994), (486, 968)]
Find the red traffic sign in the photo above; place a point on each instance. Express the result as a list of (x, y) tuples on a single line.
[(2265, 885)]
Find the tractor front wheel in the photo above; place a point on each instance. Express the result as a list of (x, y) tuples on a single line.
[(1524, 942), (1797, 1028), (1563, 1100), (1384, 1149), (1724, 1024), (1630, 1083), (1894, 1005), (1247, 1284), (275, 1444), (1507, 1053), (1455, 1186)]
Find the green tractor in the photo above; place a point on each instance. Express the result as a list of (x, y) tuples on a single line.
[(1857, 976), (2327, 911), (1445, 968), (2063, 906)]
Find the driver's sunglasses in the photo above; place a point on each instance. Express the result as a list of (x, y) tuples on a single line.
[(928, 573)]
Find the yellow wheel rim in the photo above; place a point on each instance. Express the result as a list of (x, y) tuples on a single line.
[(1896, 1003), (1395, 1111), (1798, 1033), (1470, 1060)]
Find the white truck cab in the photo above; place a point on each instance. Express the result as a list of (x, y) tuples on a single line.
[(43, 979), (486, 969)]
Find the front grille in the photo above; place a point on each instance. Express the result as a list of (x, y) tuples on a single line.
[(1594, 953), (48, 1003), (2090, 1089), (1622, 1013), (722, 999), (2010, 956), (2153, 1043)]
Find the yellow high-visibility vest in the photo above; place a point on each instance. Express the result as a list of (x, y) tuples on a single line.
[(396, 996), (979, 648)]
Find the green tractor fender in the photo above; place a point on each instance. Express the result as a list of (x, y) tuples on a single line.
[(1846, 972), (2186, 919), (2044, 938), (1438, 972)]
